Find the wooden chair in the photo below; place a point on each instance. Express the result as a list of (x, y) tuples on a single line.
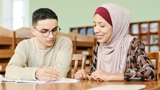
[(73, 38), (21, 34), (155, 58), (84, 45), (75, 66)]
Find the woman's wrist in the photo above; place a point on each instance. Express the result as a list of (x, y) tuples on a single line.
[(115, 77)]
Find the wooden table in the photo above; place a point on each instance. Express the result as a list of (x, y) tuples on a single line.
[(82, 85)]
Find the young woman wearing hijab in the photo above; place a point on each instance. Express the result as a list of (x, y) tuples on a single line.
[(119, 55)]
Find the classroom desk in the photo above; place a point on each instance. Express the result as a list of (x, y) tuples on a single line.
[(82, 85)]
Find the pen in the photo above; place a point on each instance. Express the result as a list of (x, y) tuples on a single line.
[(60, 75), (63, 77), (89, 77)]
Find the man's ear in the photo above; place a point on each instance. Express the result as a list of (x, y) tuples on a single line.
[(33, 31)]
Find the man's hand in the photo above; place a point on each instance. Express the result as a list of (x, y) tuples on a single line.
[(47, 74)]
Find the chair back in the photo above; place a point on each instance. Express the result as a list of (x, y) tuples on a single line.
[(78, 60), (155, 58), (73, 38)]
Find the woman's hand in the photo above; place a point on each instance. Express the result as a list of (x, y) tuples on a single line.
[(81, 74), (100, 75)]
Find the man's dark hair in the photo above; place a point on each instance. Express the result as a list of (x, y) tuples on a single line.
[(42, 14)]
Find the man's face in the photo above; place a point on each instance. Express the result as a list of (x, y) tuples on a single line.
[(41, 29)]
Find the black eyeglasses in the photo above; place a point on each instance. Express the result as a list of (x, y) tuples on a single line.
[(45, 33)]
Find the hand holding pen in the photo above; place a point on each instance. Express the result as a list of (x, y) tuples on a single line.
[(82, 74), (47, 74)]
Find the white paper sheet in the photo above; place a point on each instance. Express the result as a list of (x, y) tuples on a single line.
[(119, 87), (61, 80), (29, 81), (7, 80), (68, 80)]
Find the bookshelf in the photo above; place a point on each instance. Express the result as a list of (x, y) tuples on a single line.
[(148, 32), (86, 30), (85, 39)]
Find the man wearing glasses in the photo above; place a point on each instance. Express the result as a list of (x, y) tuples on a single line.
[(44, 57)]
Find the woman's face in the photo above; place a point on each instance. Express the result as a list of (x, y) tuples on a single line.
[(102, 29)]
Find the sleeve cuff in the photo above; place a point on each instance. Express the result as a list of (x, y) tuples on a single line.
[(34, 77)]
